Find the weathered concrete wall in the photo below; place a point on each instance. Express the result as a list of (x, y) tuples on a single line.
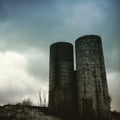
[(93, 97), (61, 86)]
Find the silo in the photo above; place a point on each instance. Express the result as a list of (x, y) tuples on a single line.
[(61, 72), (93, 97)]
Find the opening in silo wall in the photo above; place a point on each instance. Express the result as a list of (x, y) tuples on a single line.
[(61, 78), (93, 97)]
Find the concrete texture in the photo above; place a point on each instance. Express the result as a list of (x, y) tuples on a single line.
[(61, 84), (93, 97)]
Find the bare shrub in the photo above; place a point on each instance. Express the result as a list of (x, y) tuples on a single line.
[(27, 102)]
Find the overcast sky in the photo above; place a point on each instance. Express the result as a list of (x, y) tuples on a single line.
[(28, 27)]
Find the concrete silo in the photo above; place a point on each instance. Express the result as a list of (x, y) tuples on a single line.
[(93, 97), (61, 78)]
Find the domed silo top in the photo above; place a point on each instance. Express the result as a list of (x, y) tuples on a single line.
[(88, 37), (61, 44), (61, 51)]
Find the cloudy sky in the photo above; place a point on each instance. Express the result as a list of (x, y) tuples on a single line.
[(28, 27)]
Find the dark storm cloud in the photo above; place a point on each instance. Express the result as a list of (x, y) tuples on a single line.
[(38, 22), (3, 13), (34, 20)]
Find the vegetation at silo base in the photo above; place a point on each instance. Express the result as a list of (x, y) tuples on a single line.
[(19, 112), (25, 102), (16, 112), (27, 111)]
